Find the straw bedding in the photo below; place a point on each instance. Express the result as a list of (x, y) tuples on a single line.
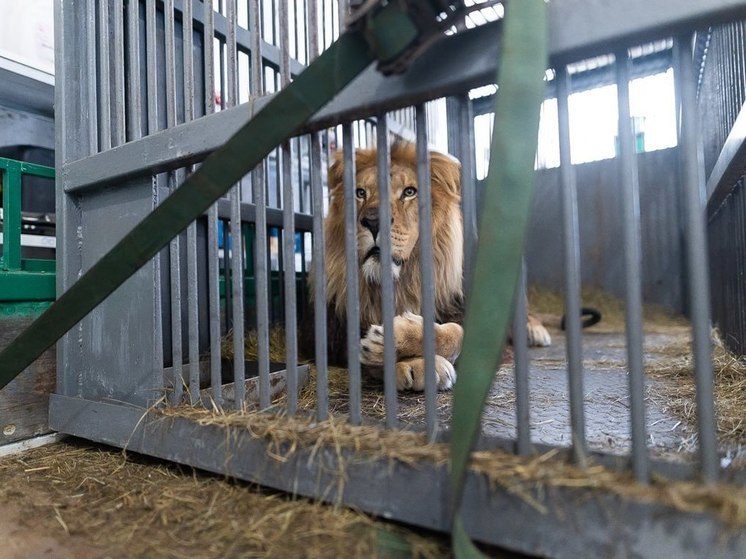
[(105, 504)]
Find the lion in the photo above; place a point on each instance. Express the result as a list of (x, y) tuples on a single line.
[(448, 261)]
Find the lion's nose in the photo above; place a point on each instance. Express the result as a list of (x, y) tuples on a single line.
[(369, 220)]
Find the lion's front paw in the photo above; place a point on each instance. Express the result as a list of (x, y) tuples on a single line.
[(538, 335), (371, 346), (410, 374), (407, 339)]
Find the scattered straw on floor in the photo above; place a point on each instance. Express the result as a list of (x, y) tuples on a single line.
[(520, 476), (674, 363), (137, 507)]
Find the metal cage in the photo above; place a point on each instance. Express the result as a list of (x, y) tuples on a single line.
[(148, 88)]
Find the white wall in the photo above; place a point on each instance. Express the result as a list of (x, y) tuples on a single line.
[(27, 33)]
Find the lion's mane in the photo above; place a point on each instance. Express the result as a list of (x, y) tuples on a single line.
[(448, 256)]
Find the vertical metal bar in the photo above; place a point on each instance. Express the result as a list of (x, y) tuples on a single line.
[(725, 91), (260, 238), (288, 230), (288, 274), (11, 217), (173, 180), (313, 29), (176, 340), (151, 65), (67, 99), (325, 8), (730, 75), (728, 90), (696, 250), (468, 186), (237, 269), (632, 268), (732, 63), (353, 310), (104, 76), (426, 271), (134, 107), (188, 60), (342, 14), (453, 112), (118, 42), (153, 95), (307, 57), (296, 25), (319, 270), (213, 256), (572, 272), (168, 14), (520, 359), (191, 271), (91, 82), (231, 77), (722, 86), (387, 278), (740, 70)]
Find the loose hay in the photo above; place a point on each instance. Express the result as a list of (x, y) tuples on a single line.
[(674, 362), (137, 507)]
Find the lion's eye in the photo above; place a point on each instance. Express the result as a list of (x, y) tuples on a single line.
[(360, 193), (409, 192)]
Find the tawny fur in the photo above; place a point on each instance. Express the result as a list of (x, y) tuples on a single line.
[(447, 236)]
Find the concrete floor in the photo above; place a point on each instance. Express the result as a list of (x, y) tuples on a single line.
[(605, 389)]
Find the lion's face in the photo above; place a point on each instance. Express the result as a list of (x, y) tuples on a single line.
[(404, 219), (447, 248)]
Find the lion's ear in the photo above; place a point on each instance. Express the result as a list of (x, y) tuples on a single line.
[(445, 173), (336, 171)]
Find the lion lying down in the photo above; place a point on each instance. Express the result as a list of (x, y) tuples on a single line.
[(448, 262)]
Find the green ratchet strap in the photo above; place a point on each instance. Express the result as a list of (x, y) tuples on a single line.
[(279, 119), (506, 200)]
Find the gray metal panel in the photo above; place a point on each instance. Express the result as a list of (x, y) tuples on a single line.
[(599, 203), (118, 349), (26, 89), (22, 128), (580, 28), (729, 167), (576, 523)]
